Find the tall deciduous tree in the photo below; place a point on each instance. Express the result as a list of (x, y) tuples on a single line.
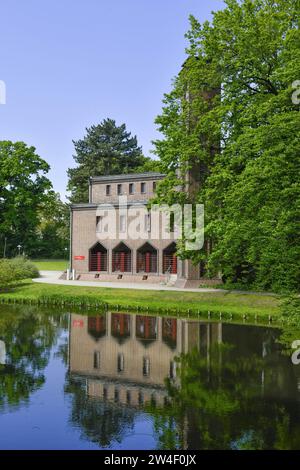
[(251, 188), (106, 149), (24, 190), (53, 231)]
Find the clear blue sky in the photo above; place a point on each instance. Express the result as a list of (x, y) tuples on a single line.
[(68, 64)]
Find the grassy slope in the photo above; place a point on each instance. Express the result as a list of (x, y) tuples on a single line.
[(51, 265), (251, 304)]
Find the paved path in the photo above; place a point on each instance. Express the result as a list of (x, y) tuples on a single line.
[(52, 277)]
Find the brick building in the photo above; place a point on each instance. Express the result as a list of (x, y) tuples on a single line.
[(101, 246)]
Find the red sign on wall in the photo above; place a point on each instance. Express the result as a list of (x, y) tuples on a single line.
[(77, 323), (79, 258)]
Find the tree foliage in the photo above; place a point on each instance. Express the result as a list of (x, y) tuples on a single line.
[(53, 231), (245, 139), (31, 213), (106, 149), (24, 189), (28, 337), (219, 401)]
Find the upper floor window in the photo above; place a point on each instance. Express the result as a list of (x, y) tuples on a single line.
[(154, 186), (122, 227), (108, 190), (148, 222), (141, 398), (97, 360), (146, 366), (143, 187), (120, 364), (172, 370), (99, 224), (119, 189), (172, 222), (131, 188)]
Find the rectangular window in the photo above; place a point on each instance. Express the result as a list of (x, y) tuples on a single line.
[(148, 222), (172, 370), (120, 365), (172, 222), (143, 187), (119, 189), (146, 366), (122, 227), (97, 360), (99, 225), (154, 186), (131, 188), (141, 398), (108, 190)]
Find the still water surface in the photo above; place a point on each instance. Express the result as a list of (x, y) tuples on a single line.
[(119, 381)]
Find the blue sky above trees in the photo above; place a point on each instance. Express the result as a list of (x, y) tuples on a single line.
[(67, 65)]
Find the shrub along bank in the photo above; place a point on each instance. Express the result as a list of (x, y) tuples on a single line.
[(16, 269)]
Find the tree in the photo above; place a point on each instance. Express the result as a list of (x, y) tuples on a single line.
[(99, 421), (218, 402), (28, 337), (250, 187), (24, 190), (53, 231), (106, 149), (254, 185)]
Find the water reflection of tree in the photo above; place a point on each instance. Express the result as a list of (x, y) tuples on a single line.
[(222, 402), (28, 336), (101, 421)]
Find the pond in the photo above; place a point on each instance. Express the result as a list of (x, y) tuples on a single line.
[(125, 381)]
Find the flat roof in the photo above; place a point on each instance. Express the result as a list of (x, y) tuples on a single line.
[(128, 177), (106, 205)]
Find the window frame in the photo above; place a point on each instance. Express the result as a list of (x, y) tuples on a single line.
[(131, 188), (122, 229)]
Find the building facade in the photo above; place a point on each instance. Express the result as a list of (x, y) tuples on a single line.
[(116, 237)]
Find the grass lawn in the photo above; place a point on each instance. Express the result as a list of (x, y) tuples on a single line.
[(225, 302), (51, 265)]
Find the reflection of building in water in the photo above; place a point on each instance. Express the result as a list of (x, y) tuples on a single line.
[(126, 358), (96, 327)]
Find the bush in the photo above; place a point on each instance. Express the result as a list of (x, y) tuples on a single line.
[(290, 310), (16, 269), (23, 268), (6, 272)]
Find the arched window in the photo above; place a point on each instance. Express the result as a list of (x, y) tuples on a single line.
[(98, 258), (121, 258), (146, 259), (170, 259)]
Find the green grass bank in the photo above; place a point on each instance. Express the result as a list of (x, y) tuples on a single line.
[(228, 303), (51, 265)]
